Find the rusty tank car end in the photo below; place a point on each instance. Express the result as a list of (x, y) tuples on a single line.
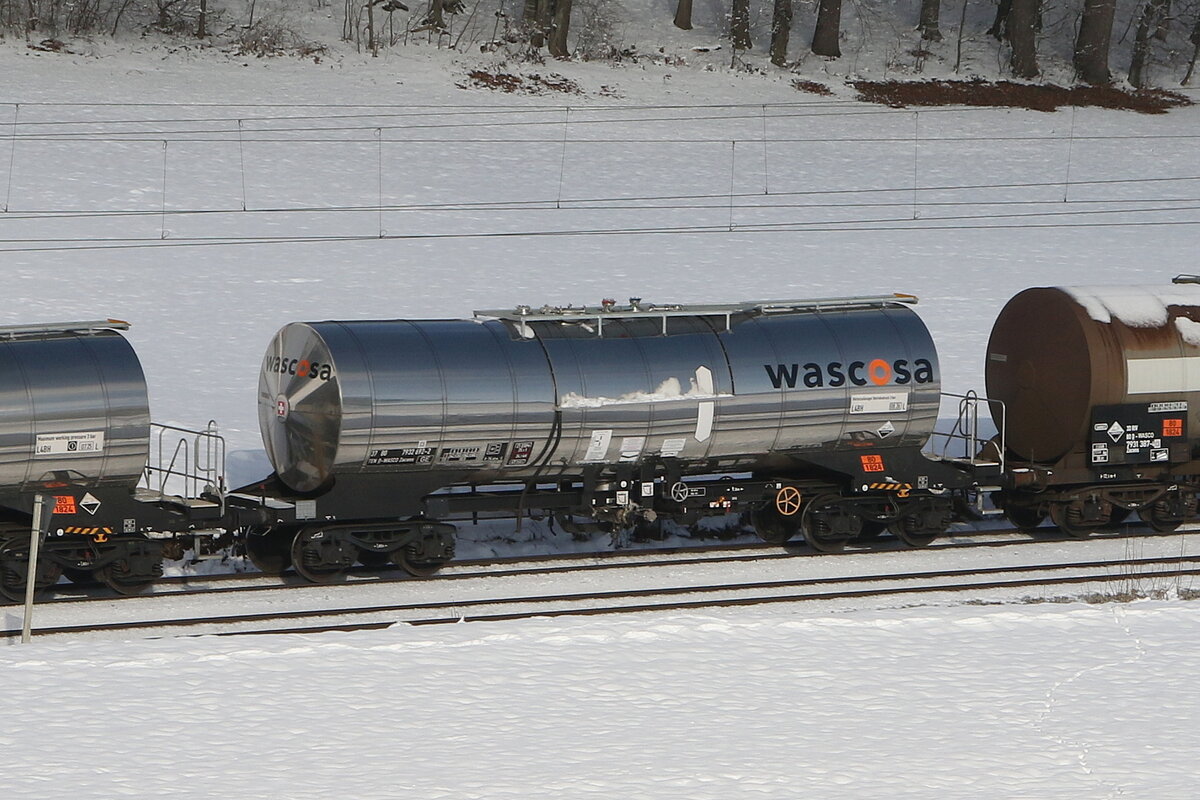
[(1098, 391)]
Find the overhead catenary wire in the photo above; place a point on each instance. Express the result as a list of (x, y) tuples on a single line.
[(663, 201), (927, 224), (750, 203)]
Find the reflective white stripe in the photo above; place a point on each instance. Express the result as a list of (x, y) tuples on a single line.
[(1163, 375), (704, 421), (704, 413)]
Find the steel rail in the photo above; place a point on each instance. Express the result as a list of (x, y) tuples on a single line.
[(603, 560), (456, 614)]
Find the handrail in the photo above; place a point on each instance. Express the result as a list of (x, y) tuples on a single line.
[(966, 429), (197, 460), (637, 309)]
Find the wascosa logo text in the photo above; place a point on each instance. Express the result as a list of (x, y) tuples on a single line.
[(858, 373), (300, 367)]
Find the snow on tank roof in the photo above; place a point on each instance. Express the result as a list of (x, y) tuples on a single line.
[(1136, 306)]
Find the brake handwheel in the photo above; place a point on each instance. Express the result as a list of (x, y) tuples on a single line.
[(788, 500)]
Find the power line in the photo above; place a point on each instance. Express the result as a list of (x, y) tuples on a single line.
[(650, 202), (885, 225)]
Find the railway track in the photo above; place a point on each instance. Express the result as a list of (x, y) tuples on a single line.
[(548, 564), (513, 596)]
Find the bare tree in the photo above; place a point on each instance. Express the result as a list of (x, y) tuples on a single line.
[(536, 21), (781, 31), (436, 17), (1153, 23), (169, 12), (560, 28), (1195, 40), (829, 29), (739, 25), (683, 15), (931, 11), (999, 30), (1091, 46), (1020, 29)]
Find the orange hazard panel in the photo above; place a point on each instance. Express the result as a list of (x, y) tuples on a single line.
[(872, 463), (64, 504), (1172, 427)]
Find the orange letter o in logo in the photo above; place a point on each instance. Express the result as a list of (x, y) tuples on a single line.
[(880, 372)]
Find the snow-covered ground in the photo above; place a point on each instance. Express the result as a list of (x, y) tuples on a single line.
[(962, 208), (1047, 701)]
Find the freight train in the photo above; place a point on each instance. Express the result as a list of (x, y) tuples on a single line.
[(813, 418)]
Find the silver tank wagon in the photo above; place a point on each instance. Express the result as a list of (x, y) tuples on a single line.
[(74, 405), (552, 392)]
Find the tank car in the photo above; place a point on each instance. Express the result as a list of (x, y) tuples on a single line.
[(1096, 390), (818, 409), (75, 428)]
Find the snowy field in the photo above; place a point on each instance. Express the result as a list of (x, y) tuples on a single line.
[(211, 203), (1049, 702)]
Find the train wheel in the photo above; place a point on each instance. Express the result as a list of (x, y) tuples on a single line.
[(418, 569), (1024, 518), (910, 534), (318, 558), (269, 549), (12, 581), (771, 526), (122, 584), (1069, 519), (827, 526), (12, 585), (136, 563), (14, 567), (1168, 513)]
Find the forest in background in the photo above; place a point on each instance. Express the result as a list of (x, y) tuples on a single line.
[(1145, 43)]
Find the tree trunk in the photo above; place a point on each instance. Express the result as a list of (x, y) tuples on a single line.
[(1022, 22), (1091, 47), (560, 29), (436, 16), (739, 25), (529, 21), (683, 15), (1195, 39), (371, 29), (931, 10), (781, 31), (829, 28), (202, 23), (1152, 24), (999, 30), (545, 15)]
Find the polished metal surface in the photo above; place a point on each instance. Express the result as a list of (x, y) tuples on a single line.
[(510, 399), (71, 404)]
